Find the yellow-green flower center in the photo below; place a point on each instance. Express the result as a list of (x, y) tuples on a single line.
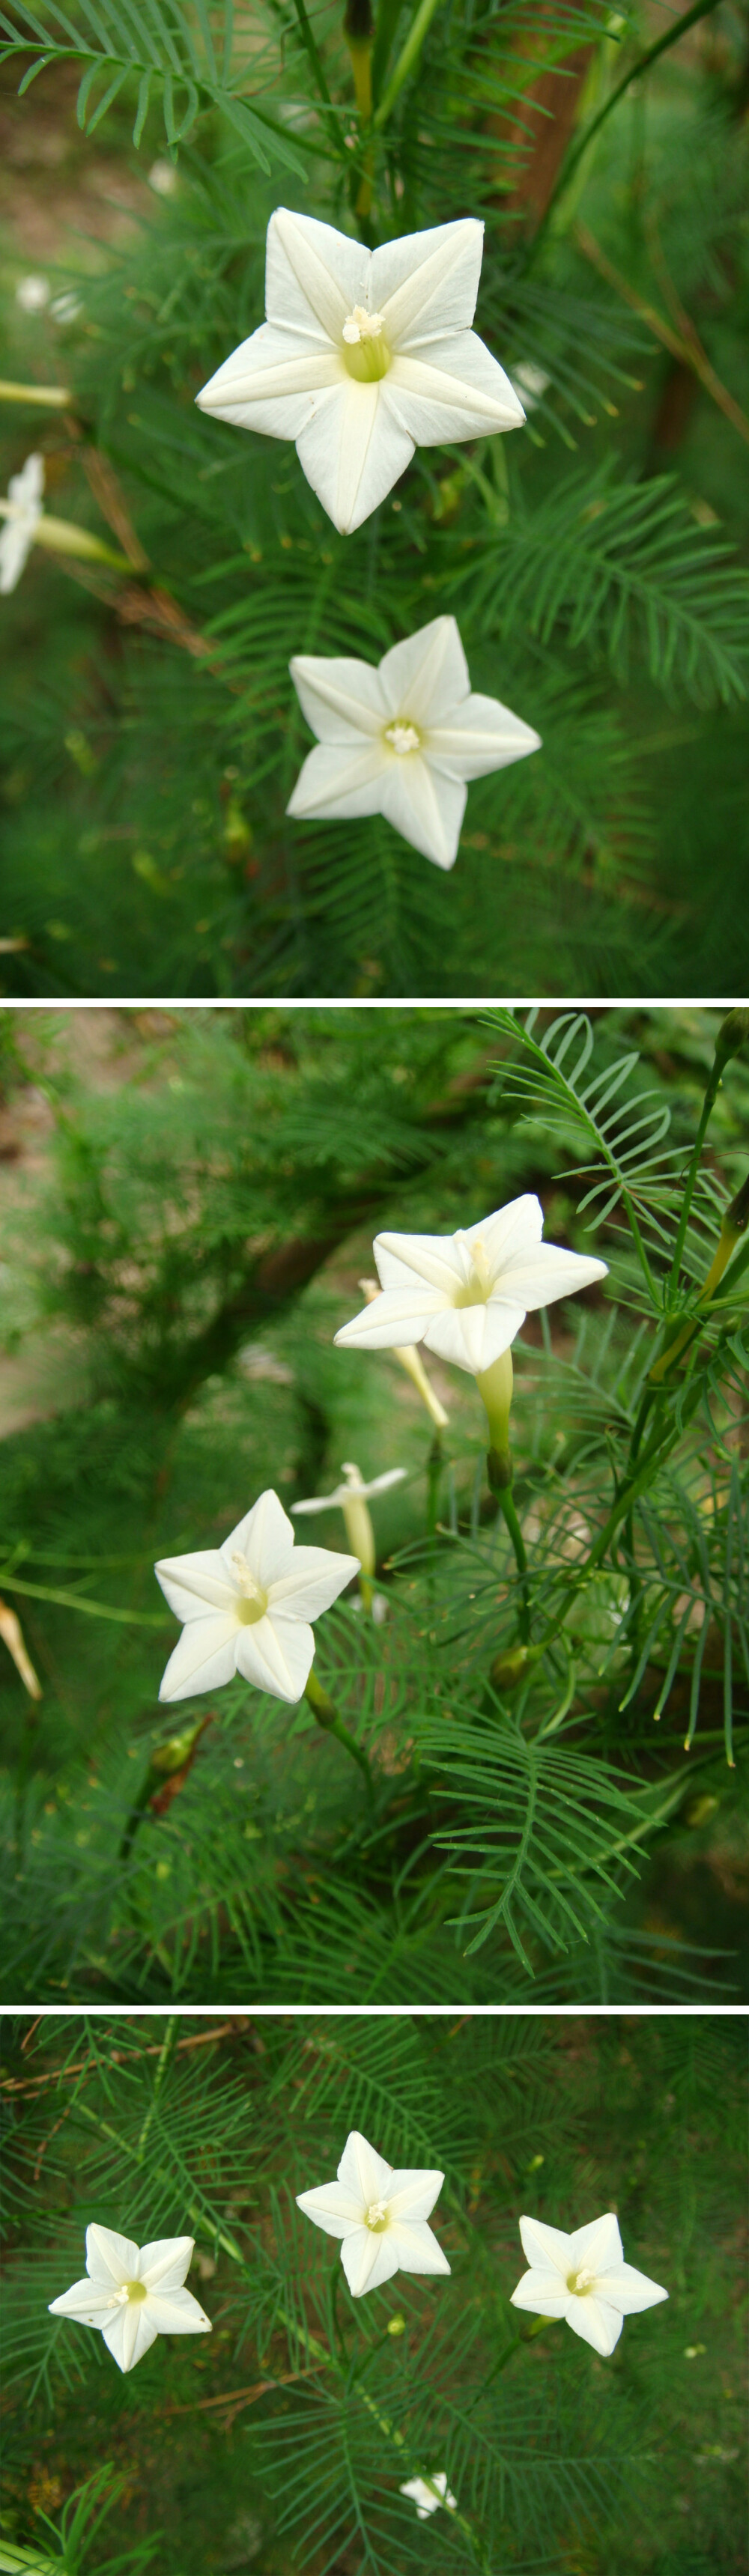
[(477, 1288), (366, 355), (252, 1601), (402, 736), (579, 2283), (377, 2216), (129, 2294)]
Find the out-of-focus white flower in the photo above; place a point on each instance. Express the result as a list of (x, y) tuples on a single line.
[(402, 739), (414, 1367), (364, 356), (66, 308), (33, 294), (381, 2216), (429, 2495), (466, 1295), (352, 1498), (21, 513), (530, 383), (247, 1606), (133, 2293), (13, 1637), (163, 177), (584, 2279)]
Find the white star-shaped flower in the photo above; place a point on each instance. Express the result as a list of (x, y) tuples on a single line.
[(133, 2293), (466, 1295), (429, 2496), (402, 739), (247, 1606), (352, 1498), (380, 2214), (584, 2279), (364, 356), (21, 514)]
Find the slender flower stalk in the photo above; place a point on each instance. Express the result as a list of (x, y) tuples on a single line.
[(414, 1367), (733, 1227), (51, 397), (352, 1498)]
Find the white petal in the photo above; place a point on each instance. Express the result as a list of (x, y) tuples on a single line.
[(460, 1335), (339, 783), (417, 2248), (628, 2290), (317, 1576), (204, 1658), (87, 2301), (424, 806), (368, 2260), (16, 540), (269, 383), (129, 2334), (313, 275), (595, 2322), (110, 2257), (380, 1484), (411, 2196), (427, 674), (333, 2207), (276, 1656), (452, 390), (341, 699), (398, 1318), (544, 2293), (164, 2263), (518, 1225), (27, 487), (353, 450), (190, 1584), (426, 284), (546, 2247), (548, 1273), (598, 2245), (401, 1258), (481, 736), (177, 2312), (265, 1538), (362, 2170)]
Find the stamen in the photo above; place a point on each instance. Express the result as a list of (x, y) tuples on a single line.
[(402, 737), (253, 1601), (377, 2215), (362, 325)]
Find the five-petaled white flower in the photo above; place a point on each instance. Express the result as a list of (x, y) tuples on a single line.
[(247, 1606), (381, 2216), (364, 356), (352, 1498), (466, 1295), (402, 739), (133, 2293), (21, 513), (584, 2279), (428, 2496)]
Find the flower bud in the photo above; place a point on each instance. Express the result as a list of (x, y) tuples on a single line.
[(732, 1035)]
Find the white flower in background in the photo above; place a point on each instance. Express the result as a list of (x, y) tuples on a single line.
[(381, 2216), (21, 513), (67, 308), (33, 294), (584, 2279), (352, 1498), (428, 2496), (163, 177), (414, 1367), (133, 2293), (530, 384), (247, 1606), (364, 356), (466, 1295), (402, 739)]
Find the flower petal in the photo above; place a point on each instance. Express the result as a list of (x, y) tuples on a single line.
[(16, 540), (598, 2245), (548, 1273), (177, 2312), (130, 2333), (546, 2247), (341, 699), (399, 1317), (595, 2322), (265, 1537), (411, 2196), (460, 1335), (628, 2290), (418, 2249), (519, 1225), (193, 1583), (543, 2293), (426, 675), (333, 2206), (315, 1579), (426, 284), (368, 2260), (401, 1258), (426, 807), (362, 2170), (339, 783), (276, 1656), (269, 382), (313, 275), (204, 1658), (353, 450), (87, 2301), (110, 2257), (164, 2263), (450, 391), (482, 735)]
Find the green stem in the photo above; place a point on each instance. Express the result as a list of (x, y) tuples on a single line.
[(711, 1092), (513, 1524), (407, 57), (164, 2060), (326, 1713), (700, 9), (54, 397)]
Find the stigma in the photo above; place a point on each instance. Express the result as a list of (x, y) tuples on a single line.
[(362, 325), (402, 737)]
